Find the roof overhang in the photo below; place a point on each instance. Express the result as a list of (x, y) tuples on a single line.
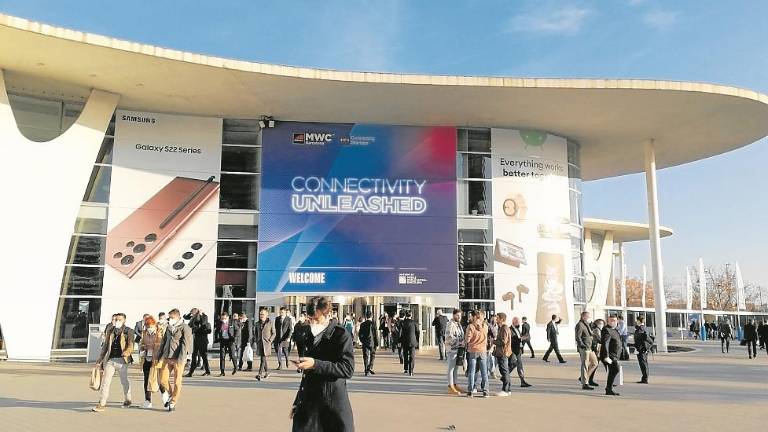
[(610, 118), (624, 232)]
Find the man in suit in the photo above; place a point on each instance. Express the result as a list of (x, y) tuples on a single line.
[(201, 328), (762, 334), (725, 332), (552, 332), (610, 352), (526, 333), (262, 335), (284, 331), (409, 339), (174, 348), (138, 329), (750, 335), (643, 344), (584, 346), (516, 359), (369, 339), (440, 323)]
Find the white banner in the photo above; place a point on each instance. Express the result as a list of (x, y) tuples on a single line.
[(702, 285), (740, 297), (688, 290)]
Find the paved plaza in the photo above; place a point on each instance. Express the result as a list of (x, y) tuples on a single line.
[(701, 390)]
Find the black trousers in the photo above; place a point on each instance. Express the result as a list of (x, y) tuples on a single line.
[(369, 356), (642, 360), (725, 344), (553, 347), (752, 348), (281, 349), (200, 351), (225, 347), (613, 371), (263, 366), (240, 357), (522, 347), (146, 368), (409, 358), (503, 363), (440, 341)]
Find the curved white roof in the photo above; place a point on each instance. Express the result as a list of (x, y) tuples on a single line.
[(623, 231), (610, 118)]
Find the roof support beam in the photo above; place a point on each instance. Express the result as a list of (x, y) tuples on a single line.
[(660, 301)]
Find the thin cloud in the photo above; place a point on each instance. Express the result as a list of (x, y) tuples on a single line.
[(635, 2), (567, 20), (660, 19)]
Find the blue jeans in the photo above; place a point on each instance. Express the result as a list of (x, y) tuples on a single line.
[(474, 359)]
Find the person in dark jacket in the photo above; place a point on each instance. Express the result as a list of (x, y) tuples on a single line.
[(516, 359), (409, 339), (369, 339), (322, 402), (597, 335), (245, 340), (526, 333), (725, 332), (238, 338), (262, 335), (584, 346), (225, 336), (552, 334), (610, 352), (762, 334), (440, 323), (301, 322), (201, 328), (283, 333), (750, 335), (384, 329), (396, 331), (643, 344)]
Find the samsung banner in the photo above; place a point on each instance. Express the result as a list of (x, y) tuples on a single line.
[(357, 208), (531, 225)]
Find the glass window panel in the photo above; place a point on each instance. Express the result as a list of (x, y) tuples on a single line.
[(476, 140), (574, 172), (574, 153), (475, 236), (239, 255), (476, 286), (474, 197), (105, 153), (575, 198), (235, 284), (467, 307), (111, 128), (239, 232), (240, 191), (240, 159), (235, 306), (576, 262), (98, 185), (92, 219), (82, 280), (240, 137), (475, 258), (72, 319), (242, 125), (470, 165), (579, 293), (86, 250)]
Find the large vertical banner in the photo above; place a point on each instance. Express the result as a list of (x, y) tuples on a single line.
[(163, 214), (531, 223), (357, 208)]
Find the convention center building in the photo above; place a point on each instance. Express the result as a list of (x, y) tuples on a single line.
[(141, 179)]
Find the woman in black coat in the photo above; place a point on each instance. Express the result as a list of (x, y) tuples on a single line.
[(322, 403)]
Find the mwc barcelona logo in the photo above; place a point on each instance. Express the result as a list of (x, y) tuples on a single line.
[(312, 138)]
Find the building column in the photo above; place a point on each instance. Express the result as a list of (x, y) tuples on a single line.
[(623, 281), (660, 301)]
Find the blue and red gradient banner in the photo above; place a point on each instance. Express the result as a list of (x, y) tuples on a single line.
[(357, 209)]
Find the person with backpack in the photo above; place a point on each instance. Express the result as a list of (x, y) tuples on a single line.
[(643, 344)]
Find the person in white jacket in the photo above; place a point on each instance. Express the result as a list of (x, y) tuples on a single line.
[(454, 341)]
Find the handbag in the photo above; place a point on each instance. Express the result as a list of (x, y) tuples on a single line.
[(248, 353), (95, 383), (460, 354)]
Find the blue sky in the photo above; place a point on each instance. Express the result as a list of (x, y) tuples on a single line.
[(717, 206)]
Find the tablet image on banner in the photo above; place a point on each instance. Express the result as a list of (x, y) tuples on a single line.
[(357, 208)]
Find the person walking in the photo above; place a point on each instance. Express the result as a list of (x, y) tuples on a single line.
[(261, 341), (440, 323), (526, 333), (175, 346), (149, 352), (552, 332), (397, 322), (138, 328), (369, 340), (493, 331), (201, 328), (725, 332), (409, 340), (762, 334), (597, 335), (610, 352), (584, 346), (516, 358), (384, 329), (750, 335), (225, 336), (283, 333), (621, 326), (476, 339), (643, 344), (502, 350), (237, 340), (454, 341), (301, 322), (322, 402), (115, 356)]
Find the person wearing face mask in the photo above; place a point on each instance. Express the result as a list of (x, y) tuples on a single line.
[(162, 321), (322, 402), (245, 341), (224, 335), (115, 357), (597, 332), (174, 349), (149, 348), (611, 352)]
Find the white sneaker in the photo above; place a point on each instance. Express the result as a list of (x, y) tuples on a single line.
[(171, 407), (166, 397), (502, 394), (147, 405)]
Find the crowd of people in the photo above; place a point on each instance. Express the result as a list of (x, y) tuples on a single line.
[(754, 334)]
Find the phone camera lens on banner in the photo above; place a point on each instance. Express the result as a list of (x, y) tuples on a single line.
[(139, 248), (188, 255), (127, 260), (178, 265), (196, 246), (150, 238)]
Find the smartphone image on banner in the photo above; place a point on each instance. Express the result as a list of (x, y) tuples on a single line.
[(551, 270), (144, 232), (180, 256)]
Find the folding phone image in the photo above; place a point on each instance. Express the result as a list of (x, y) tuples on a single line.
[(509, 253), (144, 232)]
